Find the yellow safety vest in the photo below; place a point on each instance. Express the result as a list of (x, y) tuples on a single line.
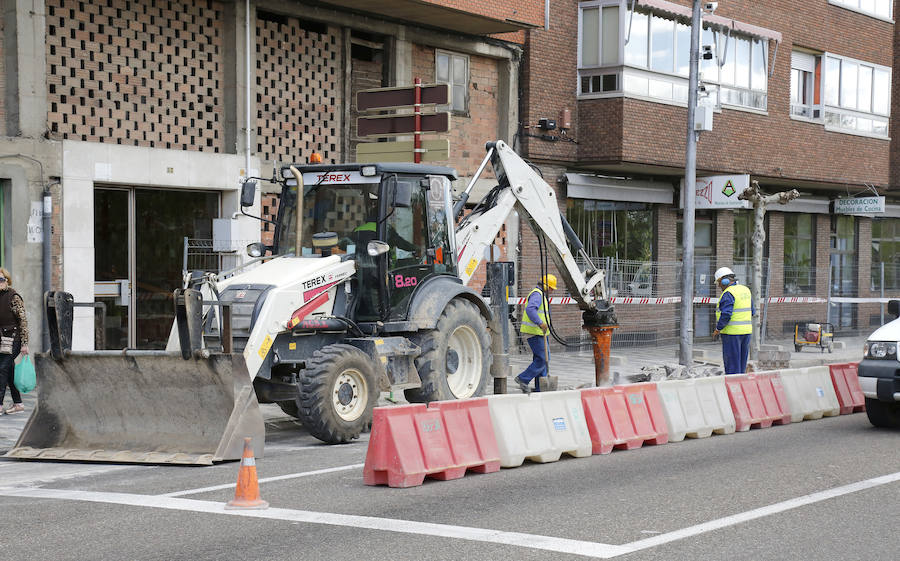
[(741, 322), (527, 325)]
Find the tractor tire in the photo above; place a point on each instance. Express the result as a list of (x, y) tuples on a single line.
[(290, 408), (338, 391), (456, 356), (883, 414)]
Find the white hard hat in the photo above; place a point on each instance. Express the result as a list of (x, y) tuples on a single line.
[(723, 272)]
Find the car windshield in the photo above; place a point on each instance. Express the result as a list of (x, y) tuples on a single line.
[(345, 209)]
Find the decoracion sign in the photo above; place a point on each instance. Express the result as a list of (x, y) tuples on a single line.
[(719, 191), (862, 205)]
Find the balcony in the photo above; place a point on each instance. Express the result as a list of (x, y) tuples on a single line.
[(456, 15)]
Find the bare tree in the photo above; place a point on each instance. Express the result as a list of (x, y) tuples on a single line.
[(760, 202)]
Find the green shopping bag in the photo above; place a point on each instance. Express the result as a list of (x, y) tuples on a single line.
[(25, 379)]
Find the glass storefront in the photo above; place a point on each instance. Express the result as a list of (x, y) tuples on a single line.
[(139, 257)]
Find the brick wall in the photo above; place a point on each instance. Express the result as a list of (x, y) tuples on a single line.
[(548, 80), (299, 74), (367, 72), (636, 131), (468, 132), (2, 78), (529, 11), (143, 73)]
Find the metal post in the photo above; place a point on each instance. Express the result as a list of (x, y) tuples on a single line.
[(417, 108), (686, 350), (498, 282), (765, 307), (46, 214), (882, 292), (828, 297)]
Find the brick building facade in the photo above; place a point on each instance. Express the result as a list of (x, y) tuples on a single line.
[(800, 92), (141, 118)]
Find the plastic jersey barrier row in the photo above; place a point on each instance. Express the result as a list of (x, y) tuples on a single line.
[(845, 379), (624, 417), (810, 393), (696, 408), (757, 400), (411, 442), (539, 427)]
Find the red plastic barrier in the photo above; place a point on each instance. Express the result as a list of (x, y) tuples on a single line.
[(411, 442), (757, 400), (624, 417), (471, 433), (846, 386)]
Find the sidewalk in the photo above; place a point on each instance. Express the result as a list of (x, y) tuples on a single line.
[(576, 368)]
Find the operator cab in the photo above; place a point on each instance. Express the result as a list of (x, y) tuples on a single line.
[(393, 220)]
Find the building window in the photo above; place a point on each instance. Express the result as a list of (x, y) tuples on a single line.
[(799, 254), (886, 251), (453, 69), (880, 8), (806, 70), (857, 96), (843, 268), (613, 229), (647, 54)]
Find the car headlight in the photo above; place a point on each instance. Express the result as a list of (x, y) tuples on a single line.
[(880, 350)]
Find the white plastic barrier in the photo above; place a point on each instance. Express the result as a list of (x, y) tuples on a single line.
[(810, 393), (696, 408), (539, 427)]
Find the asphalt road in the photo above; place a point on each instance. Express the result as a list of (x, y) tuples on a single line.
[(826, 489)]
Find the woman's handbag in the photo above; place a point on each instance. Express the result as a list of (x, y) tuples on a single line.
[(25, 378)]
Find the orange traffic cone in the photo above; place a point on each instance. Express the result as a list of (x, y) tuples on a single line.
[(246, 494)]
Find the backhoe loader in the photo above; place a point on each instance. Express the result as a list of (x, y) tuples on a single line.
[(364, 290)]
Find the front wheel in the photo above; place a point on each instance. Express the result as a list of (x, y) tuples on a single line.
[(885, 414), (338, 392), (456, 356)]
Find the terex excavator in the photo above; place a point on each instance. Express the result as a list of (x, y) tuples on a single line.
[(365, 291)]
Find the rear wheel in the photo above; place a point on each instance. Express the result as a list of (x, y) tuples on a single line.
[(338, 391), (884, 414), (456, 356), (290, 407)]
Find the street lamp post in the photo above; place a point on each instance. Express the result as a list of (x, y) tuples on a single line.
[(686, 350)]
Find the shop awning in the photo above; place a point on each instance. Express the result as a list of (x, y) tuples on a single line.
[(582, 186), (727, 23)]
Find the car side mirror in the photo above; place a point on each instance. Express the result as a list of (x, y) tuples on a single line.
[(894, 308), (248, 193), (402, 195)]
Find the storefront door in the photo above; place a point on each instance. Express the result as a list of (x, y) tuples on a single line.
[(138, 259)]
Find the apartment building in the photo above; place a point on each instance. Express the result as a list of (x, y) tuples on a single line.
[(132, 124), (800, 95)]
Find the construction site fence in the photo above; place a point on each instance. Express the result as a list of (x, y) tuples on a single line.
[(647, 300)]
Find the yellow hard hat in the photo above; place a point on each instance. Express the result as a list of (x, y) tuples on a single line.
[(549, 281)]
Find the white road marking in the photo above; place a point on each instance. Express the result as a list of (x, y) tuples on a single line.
[(763, 511), (546, 543), (263, 480)]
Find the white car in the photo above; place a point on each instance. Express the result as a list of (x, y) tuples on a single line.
[(879, 372)]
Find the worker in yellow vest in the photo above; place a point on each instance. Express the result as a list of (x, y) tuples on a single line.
[(535, 326), (734, 321)]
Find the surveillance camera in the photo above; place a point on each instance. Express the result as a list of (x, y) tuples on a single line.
[(710, 6), (701, 88), (707, 53)]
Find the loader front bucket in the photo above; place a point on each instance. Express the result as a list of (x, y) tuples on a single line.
[(141, 407)]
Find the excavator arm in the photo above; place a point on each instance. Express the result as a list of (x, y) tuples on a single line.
[(522, 189)]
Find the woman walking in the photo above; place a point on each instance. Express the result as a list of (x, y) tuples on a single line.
[(13, 340)]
